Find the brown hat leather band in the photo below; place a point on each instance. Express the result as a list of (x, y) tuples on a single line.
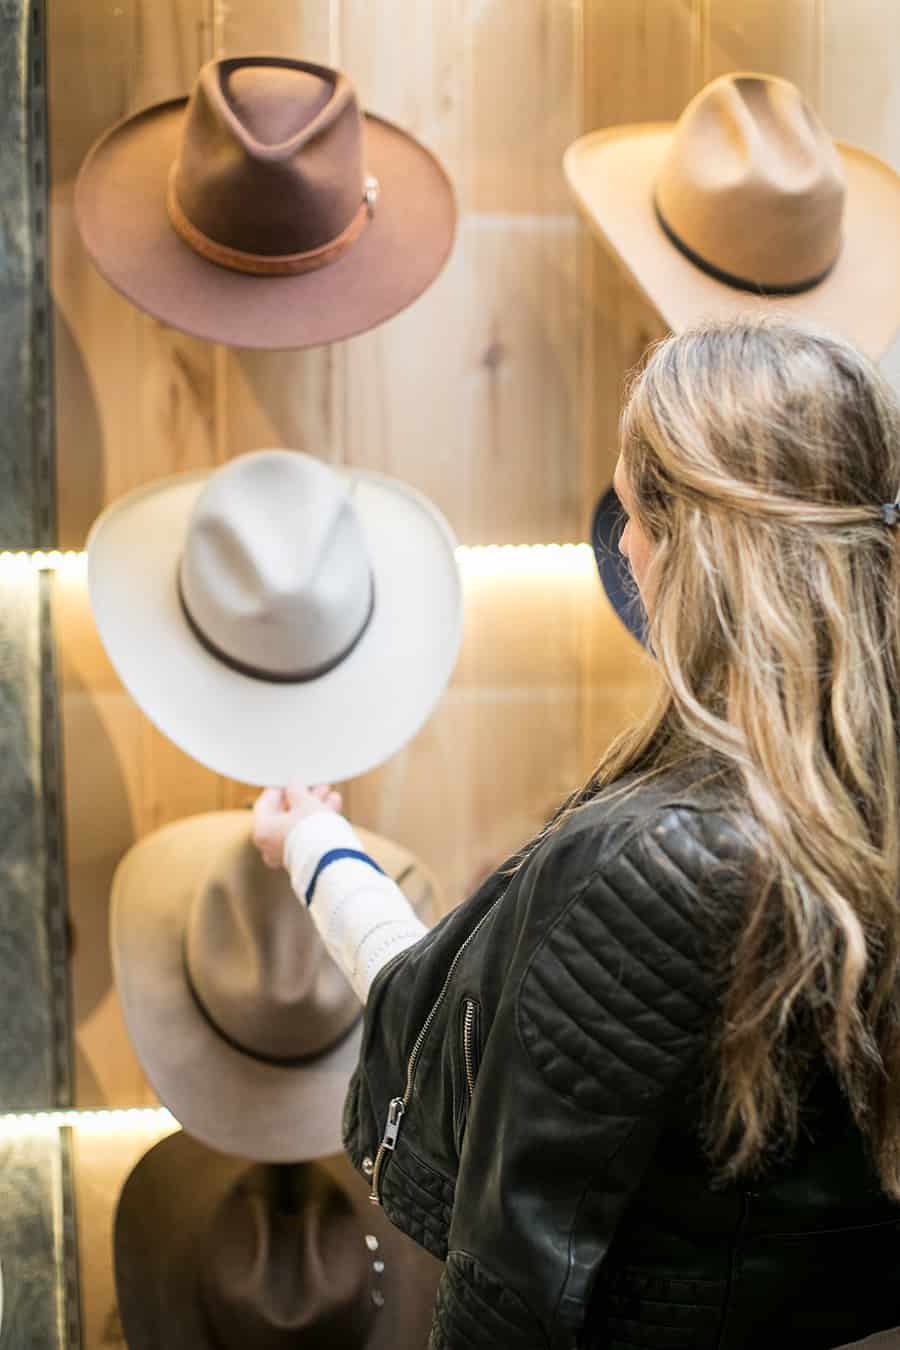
[(261, 264), (729, 278)]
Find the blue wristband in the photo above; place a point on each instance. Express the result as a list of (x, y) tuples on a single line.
[(333, 855)]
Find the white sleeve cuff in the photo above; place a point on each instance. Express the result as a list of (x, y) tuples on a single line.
[(362, 916)]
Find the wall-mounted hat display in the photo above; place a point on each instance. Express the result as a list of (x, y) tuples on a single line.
[(265, 210), (242, 1022), (607, 525), (214, 1253), (744, 203), (277, 618)]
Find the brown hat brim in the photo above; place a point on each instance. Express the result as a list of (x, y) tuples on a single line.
[(120, 207), (163, 1213), (612, 174), (229, 1099)]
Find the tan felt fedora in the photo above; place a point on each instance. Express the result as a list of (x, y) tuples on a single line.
[(265, 210), (277, 618), (214, 1253), (243, 1024), (747, 204)]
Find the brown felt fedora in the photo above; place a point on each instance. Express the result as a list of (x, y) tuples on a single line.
[(265, 210), (242, 1022), (216, 1253), (747, 204)]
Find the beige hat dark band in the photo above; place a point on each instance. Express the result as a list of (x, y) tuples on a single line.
[(744, 206), (243, 1024), (729, 278)]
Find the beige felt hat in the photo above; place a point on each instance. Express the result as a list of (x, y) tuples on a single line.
[(747, 204), (243, 1024), (276, 618), (214, 1253), (266, 210)]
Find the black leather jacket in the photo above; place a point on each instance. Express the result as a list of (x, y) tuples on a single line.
[(527, 1106)]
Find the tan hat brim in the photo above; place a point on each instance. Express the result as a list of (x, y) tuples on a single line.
[(612, 174), (165, 1210), (322, 730), (228, 1099), (120, 208)]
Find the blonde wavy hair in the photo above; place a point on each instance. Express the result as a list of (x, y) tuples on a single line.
[(758, 455)]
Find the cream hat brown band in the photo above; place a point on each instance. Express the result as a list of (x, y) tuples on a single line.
[(281, 617)]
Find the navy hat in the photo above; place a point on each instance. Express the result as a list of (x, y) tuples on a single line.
[(621, 591)]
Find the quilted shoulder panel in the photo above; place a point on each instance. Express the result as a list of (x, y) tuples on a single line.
[(615, 1001)]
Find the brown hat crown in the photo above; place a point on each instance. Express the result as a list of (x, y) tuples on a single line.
[(284, 1264), (270, 175), (256, 965), (752, 188)]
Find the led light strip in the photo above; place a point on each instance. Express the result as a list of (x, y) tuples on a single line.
[(53, 561), (100, 1122), (477, 558)]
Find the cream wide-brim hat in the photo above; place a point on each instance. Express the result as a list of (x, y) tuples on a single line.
[(325, 729), (612, 174), (220, 1093)]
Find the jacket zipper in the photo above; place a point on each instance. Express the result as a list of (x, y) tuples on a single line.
[(468, 1048), (398, 1105)]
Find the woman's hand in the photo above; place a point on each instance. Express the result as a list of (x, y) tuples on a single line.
[(277, 810)]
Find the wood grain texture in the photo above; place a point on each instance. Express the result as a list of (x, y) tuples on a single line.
[(861, 91), (774, 39), (102, 1162), (643, 62), (472, 396), (136, 400), (134, 397)]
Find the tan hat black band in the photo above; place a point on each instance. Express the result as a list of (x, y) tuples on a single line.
[(730, 278), (278, 1061)]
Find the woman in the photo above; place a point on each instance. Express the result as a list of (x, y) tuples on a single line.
[(643, 1088)]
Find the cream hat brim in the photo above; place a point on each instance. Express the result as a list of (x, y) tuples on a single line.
[(230, 1100), (326, 729), (612, 174)]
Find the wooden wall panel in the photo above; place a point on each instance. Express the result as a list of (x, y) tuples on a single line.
[(861, 79), (756, 35), (472, 396), (642, 62), (133, 397), (135, 400), (861, 90), (102, 1160)]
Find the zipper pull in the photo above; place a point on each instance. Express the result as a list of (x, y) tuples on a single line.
[(392, 1128)]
